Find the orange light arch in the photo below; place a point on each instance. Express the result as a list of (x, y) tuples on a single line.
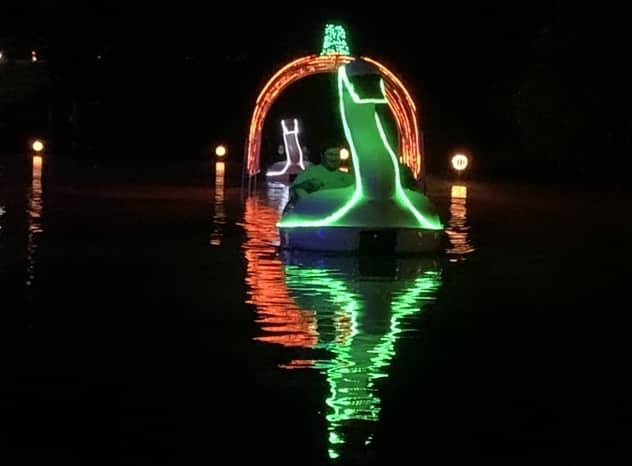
[(399, 99)]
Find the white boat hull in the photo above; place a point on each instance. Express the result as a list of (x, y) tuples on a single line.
[(363, 240)]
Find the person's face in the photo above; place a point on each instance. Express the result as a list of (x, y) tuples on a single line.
[(331, 160)]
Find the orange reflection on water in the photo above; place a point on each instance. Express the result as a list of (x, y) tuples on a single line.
[(343, 323), (298, 364), (219, 215), (37, 166), (458, 229), (282, 321), (34, 209)]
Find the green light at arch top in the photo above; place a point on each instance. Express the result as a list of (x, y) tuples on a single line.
[(335, 41)]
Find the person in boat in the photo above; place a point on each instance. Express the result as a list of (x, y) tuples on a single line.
[(325, 175)]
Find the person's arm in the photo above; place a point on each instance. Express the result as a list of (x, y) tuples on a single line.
[(301, 189), (297, 193)]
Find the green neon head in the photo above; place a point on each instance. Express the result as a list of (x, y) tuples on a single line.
[(335, 41)]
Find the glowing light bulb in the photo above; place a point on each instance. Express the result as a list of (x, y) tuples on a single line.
[(459, 162), (220, 150), (344, 154), (38, 146)]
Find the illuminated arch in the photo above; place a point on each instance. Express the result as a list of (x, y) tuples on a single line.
[(399, 99), (403, 106)]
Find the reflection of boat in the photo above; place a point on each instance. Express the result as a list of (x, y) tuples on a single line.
[(377, 213), (361, 310), (340, 315)]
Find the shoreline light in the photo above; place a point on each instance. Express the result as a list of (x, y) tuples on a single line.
[(37, 146), (459, 162)]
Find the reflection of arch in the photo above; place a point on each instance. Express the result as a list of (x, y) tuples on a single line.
[(399, 100), (282, 321)]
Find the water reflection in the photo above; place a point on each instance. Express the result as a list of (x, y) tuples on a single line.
[(281, 320), (35, 206), (219, 214), (2, 212), (340, 315), (458, 228), (362, 309), (278, 194)]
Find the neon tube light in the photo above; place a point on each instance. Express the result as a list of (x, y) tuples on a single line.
[(399, 100), (288, 160), (358, 195)]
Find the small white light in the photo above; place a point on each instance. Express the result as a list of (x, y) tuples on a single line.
[(459, 162), (38, 146)]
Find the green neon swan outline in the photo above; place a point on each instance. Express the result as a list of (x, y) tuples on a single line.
[(335, 207)]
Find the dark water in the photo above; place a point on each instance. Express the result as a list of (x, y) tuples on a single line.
[(146, 317)]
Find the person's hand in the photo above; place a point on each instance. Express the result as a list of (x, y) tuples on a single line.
[(314, 184)]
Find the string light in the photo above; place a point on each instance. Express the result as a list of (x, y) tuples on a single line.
[(335, 41), (399, 99), (290, 73), (411, 147)]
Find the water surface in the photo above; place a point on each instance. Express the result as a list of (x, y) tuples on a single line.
[(147, 317)]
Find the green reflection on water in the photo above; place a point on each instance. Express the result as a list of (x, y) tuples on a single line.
[(359, 318)]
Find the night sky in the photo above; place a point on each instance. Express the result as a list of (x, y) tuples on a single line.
[(527, 89)]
